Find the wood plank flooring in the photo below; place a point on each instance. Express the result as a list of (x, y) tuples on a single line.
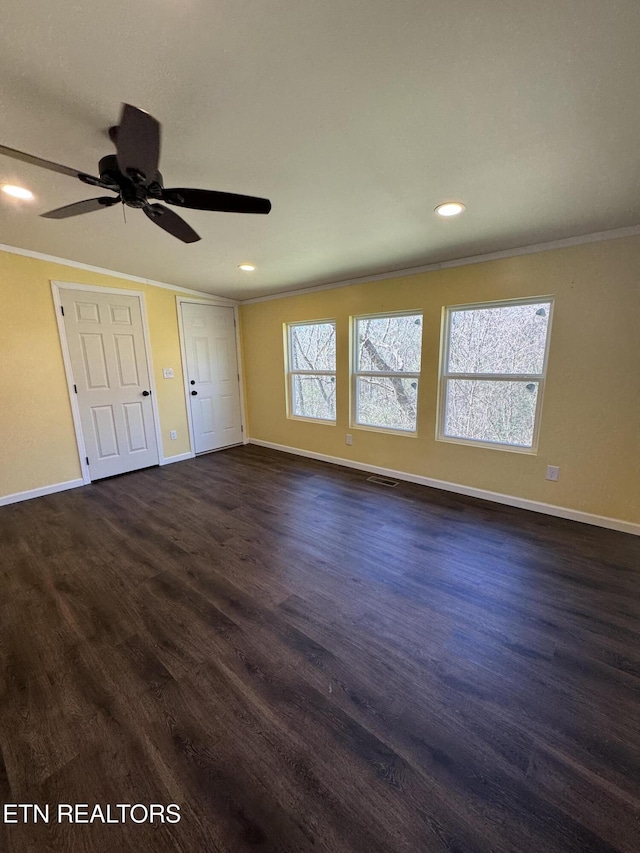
[(305, 661)]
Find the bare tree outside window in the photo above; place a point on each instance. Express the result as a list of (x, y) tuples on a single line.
[(387, 370), (312, 370), (493, 372)]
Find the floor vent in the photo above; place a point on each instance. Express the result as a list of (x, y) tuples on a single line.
[(383, 481)]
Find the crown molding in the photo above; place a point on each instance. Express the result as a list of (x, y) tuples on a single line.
[(598, 237), (40, 256)]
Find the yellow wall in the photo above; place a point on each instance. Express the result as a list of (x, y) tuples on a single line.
[(591, 412), (38, 445)]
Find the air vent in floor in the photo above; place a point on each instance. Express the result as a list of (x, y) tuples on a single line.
[(383, 481)]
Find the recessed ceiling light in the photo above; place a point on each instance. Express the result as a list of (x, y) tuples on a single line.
[(17, 192), (450, 208), (246, 267)]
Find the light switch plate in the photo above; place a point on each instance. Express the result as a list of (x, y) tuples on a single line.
[(167, 372)]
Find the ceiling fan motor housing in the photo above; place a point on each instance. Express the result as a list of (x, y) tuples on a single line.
[(134, 194)]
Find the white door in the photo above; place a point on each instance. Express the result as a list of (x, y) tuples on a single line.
[(212, 373), (111, 376)]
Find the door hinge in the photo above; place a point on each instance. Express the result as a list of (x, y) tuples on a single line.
[(87, 458), (241, 428), (62, 310), (75, 388)]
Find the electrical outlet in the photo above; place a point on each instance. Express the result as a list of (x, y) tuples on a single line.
[(173, 434), (553, 473), (349, 438), (167, 372)]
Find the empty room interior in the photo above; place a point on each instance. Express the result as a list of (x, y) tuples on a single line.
[(320, 404)]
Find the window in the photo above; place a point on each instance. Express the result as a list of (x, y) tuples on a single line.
[(492, 372), (386, 371), (311, 370)]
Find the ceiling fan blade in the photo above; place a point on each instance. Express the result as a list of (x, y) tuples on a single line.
[(138, 144), (46, 164), (171, 222), (212, 200), (78, 207)]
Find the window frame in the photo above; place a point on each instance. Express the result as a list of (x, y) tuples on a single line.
[(445, 376), (356, 374), (291, 372)]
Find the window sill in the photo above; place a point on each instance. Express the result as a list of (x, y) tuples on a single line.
[(385, 430), (489, 445), (323, 421)]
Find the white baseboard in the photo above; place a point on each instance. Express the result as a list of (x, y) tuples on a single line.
[(73, 484), (38, 493), (167, 460), (470, 491)]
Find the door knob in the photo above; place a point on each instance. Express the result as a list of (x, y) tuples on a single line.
[(145, 393), (194, 393), (193, 381)]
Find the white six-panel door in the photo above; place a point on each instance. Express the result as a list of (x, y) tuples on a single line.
[(105, 339), (212, 373)]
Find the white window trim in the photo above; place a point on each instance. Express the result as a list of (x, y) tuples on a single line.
[(290, 372), (356, 374), (540, 378)]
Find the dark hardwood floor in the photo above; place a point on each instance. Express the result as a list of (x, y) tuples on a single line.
[(305, 661)]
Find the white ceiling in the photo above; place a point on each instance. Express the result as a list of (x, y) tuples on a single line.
[(355, 117)]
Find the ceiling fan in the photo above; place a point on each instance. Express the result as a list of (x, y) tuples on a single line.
[(132, 173)]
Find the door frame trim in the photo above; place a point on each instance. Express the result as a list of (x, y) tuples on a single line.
[(218, 303), (56, 287)]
